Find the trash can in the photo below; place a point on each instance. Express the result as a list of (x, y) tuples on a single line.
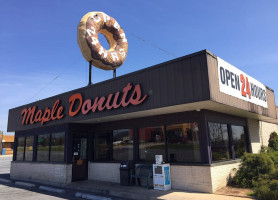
[(4, 152), (125, 170)]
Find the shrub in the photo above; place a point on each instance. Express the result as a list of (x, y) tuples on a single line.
[(252, 166), (273, 141), (274, 157), (262, 190), (267, 187), (263, 149)]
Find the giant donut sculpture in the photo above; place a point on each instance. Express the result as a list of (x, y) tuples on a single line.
[(89, 27)]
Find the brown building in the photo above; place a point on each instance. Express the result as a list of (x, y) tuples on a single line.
[(198, 111), (8, 144)]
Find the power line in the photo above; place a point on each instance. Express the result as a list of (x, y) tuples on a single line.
[(55, 78), (153, 45), (134, 35)]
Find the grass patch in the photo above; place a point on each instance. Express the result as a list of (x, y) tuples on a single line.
[(252, 194)]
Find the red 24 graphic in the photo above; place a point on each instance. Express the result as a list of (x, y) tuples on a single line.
[(246, 84)]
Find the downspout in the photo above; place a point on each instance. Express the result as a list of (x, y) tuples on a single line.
[(261, 133)]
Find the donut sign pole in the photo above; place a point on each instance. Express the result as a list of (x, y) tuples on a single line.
[(89, 27)]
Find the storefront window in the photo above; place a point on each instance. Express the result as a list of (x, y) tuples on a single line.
[(239, 140), (57, 147), (183, 143), (151, 143), (43, 147), (29, 148), (219, 141), (102, 146), (20, 148), (123, 144)]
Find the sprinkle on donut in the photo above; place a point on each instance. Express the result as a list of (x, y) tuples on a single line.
[(89, 27)]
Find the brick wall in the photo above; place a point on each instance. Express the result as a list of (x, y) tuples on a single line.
[(192, 178), (254, 133), (46, 172), (202, 178), (104, 172), (259, 132), (221, 174), (266, 128)]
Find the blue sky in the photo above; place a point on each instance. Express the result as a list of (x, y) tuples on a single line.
[(40, 57)]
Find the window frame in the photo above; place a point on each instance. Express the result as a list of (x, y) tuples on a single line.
[(17, 141), (246, 137), (25, 142), (166, 140), (112, 139), (24, 148), (110, 145), (48, 159), (231, 142), (163, 127), (50, 146), (35, 147), (136, 143)]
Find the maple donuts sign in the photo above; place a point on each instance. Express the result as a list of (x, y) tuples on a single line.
[(236, 83), (129, 95)]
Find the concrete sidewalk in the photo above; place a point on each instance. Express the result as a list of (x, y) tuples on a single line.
[(9, 155), (141, 193)]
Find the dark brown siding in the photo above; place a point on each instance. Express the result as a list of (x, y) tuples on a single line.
[(225, 118), (148, 121), (220, 97), (188, 79), (274, 121), (180, 81)]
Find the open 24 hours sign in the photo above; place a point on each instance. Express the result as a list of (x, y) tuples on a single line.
[(236, 83)]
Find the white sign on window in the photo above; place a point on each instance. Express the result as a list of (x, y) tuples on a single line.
[(236, 83)]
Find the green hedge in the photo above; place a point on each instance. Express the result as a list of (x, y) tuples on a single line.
[(273, 141), (266, 188), (252, 166), (274, 157), (260, 171)]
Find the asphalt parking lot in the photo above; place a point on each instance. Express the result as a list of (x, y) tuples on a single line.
[(5, 163)]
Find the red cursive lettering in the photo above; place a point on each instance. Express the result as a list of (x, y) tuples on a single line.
[(72, 100), (28, 115), (129, 95), (125, 90), (101, 103), (32, 116)]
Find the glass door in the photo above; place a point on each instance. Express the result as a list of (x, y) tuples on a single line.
[(79, 157)]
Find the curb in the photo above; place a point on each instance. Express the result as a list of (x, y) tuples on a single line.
[(30, 185), (122, 194), (230, 195), (5, 180), (90, 196), (100, 191), (50, 189)]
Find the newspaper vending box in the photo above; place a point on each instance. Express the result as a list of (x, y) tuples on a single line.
[(161, 177)]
